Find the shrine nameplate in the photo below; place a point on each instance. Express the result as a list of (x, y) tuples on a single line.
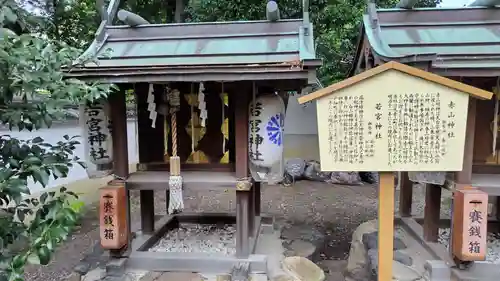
[(392, 122)]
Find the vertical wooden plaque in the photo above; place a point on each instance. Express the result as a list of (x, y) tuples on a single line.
[(470, 218), (113, 216)]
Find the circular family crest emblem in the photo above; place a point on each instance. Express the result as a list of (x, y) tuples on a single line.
[(274, 129)]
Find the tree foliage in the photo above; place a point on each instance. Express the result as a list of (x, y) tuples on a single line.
[(33, 93)]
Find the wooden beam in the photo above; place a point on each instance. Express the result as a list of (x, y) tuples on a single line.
[(432, 211), (405, 195)]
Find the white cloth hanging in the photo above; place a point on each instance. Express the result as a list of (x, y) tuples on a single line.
[(202, 106), (152, 106)]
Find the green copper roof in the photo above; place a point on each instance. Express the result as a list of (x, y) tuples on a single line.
[(187, 49), (448, 39)]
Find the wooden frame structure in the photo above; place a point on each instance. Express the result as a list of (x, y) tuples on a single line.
[(420, 38), (181, 54)]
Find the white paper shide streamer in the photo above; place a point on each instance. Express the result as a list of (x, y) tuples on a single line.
[(152, 106), (202, 106)]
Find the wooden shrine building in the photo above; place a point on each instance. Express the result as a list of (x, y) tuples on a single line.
[(462, 44), (236, 62)]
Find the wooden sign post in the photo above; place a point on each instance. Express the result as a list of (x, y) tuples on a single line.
[(392, 118)]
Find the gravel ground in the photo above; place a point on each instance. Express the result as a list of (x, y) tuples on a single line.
[(333, 210)]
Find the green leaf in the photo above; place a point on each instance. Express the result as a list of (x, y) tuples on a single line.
[(43, 198), (37, 140), (43, 254), (33, 161), (18, 261), (48, 120), (41, 176), (21, 214), (14, 163), (61, 171)]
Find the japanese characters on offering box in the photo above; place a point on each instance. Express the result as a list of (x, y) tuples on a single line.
[(108, 213), (401, 129), (474, 231), (98, 133)]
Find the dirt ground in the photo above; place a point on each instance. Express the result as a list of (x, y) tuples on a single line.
[(332, 210)]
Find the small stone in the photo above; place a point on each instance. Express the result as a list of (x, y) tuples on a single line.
[(283, 278), (373, 258), (333, 266), (151, 276), (74, 276), (184, 276), (403, 258), (95, 275), (82, 268), (358, 264), (116, 267), (302, 249), (371, 241), (223, 277), (402, 272), (258, 277), (302, 269)]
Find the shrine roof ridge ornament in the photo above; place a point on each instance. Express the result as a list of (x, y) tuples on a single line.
[(413, 71)]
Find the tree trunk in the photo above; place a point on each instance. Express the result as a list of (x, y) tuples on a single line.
[(179, 11)]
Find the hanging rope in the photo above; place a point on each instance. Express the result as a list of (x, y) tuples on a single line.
[(176, 202), (174, 134)]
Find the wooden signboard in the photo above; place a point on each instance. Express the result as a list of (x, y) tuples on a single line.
[(392, 118), (392, 122), (113, 216)]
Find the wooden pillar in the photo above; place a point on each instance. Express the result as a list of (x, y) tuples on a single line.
[(241, 135), (405, 195), (464, 177), (385, 225), (118, 114), (251, 210), (258, 197), (151, 148), (432, 211), (242, 193)]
